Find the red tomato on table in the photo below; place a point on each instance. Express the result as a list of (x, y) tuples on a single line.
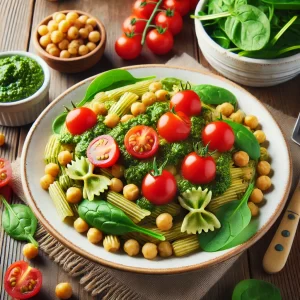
[(169, 19), (5, 172), (181, 6), (193, 4), (22, 281), (133, 24), (129, 46), (160, 41), (143, 8)]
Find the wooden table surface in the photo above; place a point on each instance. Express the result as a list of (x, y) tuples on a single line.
[(18, 18)]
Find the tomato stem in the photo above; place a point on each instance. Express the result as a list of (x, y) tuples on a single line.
[(157, 171), (149, 21)]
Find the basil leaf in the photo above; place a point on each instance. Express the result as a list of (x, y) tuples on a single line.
[(256, 289), (19, 222)]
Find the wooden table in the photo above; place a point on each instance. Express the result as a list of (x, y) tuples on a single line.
[(18, 20)]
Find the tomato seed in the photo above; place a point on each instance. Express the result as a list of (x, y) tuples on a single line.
[(106, 156), (33, 282), (1, 164), (3, 176), (13, 284), (12, 279), (30, 287), (24, 289), (15, 271)]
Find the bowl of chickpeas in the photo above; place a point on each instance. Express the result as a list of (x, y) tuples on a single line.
[(70, 41)]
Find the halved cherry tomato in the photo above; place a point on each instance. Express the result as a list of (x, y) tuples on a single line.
[(174, 127), (141, 141), (186, 101), (103, 151), (22, 281), (128, 46), (5, 172), (133, 24), (169, 19), (80, 119), (160, 189), (219, 135), (160, 41), (181, 6), (143, 8), (198, 169)]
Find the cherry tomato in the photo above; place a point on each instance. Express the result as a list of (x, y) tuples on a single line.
[(80, 120), (159, 41), (219, 135), (186, 101), (141, 141), (181, 6), (174, 127), (133, 24), (160, 189), (103, 151), (193, 4), (5, 172), (198, 169), (22, 281), (143, 8), (128, 46), (169, 19)]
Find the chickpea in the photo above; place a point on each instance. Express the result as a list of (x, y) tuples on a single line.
[(264, 154), (43, 30), (117, 171), (94, 36), (72, 16), (116, 185), (74, 43), (45, 40), (254, 209), (111, 120), (80, 225), (2, 139), (131, 192), (54, 51), (83, 19), (56, 36), (126, 118), (94, 235), (155, 86), (137, 108), (241, 158), (148, 98), (64, 290), (59, 17), (132, 247), (74, 195), (171, 169), (91, 46), (84, 33), (164, 221), (92, 22), (149, 250), (260, 136), (64, 157), (73, 50), (162, 95), (52, 169), (89, 27), (73, 33), (52, 26), (251, 121), (77, 24), (49, 46), (111, 243), (83, 50), (30, 251), (79, 41), (65, 54), (46, 180), (165, 249), (237, 116), (99, 109), (263, 182), (225, 109), (263, 168), (64, 44), (64, 26), (256, 196)]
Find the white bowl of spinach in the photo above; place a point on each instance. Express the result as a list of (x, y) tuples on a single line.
[(253, 42)]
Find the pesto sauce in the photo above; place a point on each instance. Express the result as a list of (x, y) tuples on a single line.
[(20, 77)]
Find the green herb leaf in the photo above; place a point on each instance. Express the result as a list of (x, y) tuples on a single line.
[(19, 222), (284, 4), (220, 37), (169, 82), (251, 289), (58, 123)]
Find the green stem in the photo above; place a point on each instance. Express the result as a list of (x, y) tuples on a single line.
[(150, 233), (288, 49), (211, 17), (233, 49), (32, 240), (150, 20)]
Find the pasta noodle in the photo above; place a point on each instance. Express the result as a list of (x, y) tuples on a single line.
[(186, 245)]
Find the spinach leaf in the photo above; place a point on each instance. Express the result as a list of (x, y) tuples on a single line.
[(59, 122), (211, 94), (19, 222), (110, 219), (250, 289), (220, 37), (284, 4), (169, 82), (234, 217)]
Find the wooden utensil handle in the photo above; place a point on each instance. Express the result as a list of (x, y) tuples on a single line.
[(279, 249)]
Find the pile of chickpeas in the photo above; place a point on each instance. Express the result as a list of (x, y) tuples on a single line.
[(69, 35), (241, 159)]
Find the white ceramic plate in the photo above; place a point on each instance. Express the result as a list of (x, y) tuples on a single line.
[(39, 200)]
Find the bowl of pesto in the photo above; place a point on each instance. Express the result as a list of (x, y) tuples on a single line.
[(24, 87)]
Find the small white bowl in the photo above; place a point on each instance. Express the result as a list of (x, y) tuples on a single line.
[(27, 110), (244, 70)]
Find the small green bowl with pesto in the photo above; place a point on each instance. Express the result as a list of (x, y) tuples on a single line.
[(24, 87)]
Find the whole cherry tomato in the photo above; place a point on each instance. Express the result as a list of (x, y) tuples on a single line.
[(218, 135), (80, 119), (143, 8), (159, 41), (169, 19), (128, 46), (133, 24), (5, 172), (181, 6), (186, 101)]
